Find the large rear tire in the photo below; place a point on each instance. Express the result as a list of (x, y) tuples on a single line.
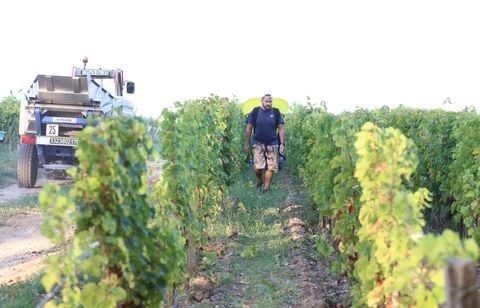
[(27, 165)]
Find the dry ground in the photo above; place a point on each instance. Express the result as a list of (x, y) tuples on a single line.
[(22, 246)]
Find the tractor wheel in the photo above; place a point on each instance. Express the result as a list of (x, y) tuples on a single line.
[(27, 165)]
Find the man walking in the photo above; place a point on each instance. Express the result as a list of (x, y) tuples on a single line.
[(267, 143)]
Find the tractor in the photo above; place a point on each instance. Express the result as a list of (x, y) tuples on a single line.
[(55, 109)]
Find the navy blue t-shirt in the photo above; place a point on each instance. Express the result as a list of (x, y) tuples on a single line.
[(265, 130)]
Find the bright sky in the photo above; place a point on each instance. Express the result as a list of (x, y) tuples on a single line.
[(346, 53)]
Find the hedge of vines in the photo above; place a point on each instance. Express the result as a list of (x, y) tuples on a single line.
[(200, 142), (445, 164), (133, 242), (122, 251), (9, 115)]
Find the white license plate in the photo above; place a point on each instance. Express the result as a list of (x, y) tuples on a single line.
[(63, 141)]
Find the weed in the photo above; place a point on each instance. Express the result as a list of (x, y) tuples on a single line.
[(22, 294), (22, 205)]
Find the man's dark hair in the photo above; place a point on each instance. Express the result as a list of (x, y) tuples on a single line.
[(263, 97)]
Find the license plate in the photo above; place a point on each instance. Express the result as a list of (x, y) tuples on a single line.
[(63, 141)]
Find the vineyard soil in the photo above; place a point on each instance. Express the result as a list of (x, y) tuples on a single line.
[(22, 246), (283, 270)]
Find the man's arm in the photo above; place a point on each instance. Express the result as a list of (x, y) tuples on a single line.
[(281, 135), (248, 134)]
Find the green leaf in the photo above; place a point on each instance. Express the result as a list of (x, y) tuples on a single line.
[(92, 295), (109, 225), (324, 248), (50, 279), (119, 294), (249, 253)]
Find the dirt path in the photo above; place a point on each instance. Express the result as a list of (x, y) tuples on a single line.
[(308, 276), (303, 275), (13, 192), (22, 247), (317, 285)]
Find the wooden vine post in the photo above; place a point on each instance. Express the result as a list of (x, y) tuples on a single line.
[(460, 284)]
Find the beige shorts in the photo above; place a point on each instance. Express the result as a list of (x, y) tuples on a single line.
[(265, 155)]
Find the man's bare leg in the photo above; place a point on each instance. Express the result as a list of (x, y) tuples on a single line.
[(268, 179), (258, 173)]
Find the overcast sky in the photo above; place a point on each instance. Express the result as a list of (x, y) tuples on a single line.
[(347, 53)]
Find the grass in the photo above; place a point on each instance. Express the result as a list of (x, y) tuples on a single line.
[(22, 294), (254, 271), (8, 161), (22, 205)]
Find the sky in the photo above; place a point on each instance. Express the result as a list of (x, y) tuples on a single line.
[(348, 54)]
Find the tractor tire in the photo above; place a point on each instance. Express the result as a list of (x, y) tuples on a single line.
[(27, 165)]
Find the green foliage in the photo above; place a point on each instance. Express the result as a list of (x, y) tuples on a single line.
[(208, 259), (316, 172), (346, 190), (431, 131), (465, 173), (323, 153), (9, 115), (323, 247), (398, 264), (124, 251), (153, 130), (250, 252), (328, 172), (298, 137), (233, 138), (202, 144), (447, 164), (8, 165)]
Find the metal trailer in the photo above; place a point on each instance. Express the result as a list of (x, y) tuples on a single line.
[(52, 113)]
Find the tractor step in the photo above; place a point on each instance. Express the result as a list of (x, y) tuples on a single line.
[(57, 166)]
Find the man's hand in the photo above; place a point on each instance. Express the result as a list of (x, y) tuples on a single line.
[(247, 148), (281, 149)]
